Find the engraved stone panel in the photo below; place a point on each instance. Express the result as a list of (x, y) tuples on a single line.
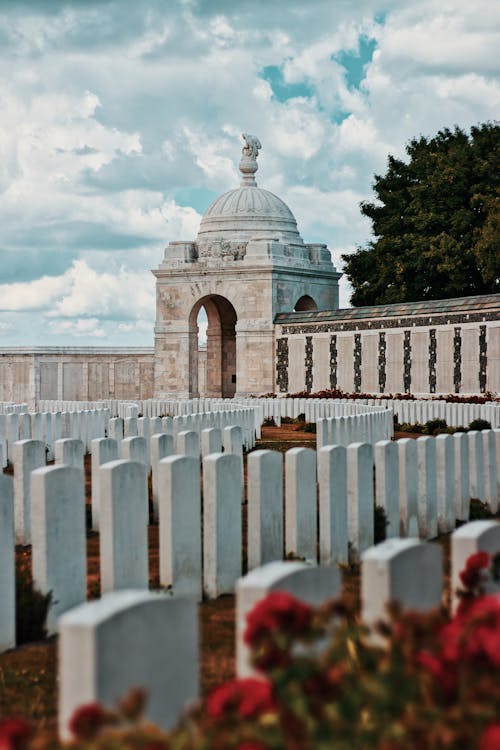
[(394, 362), (444, 361), (321, 363), (296, 368), (369, 369), (98, 380), (73, 388), (470, 359), (48, 380), (345, 344)]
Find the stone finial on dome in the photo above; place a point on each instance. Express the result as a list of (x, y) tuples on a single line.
[(248, 162)]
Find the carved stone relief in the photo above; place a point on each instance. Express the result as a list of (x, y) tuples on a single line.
[(407, 361), (222, 250), (309, 363), (333, 362), (483, 358), (282, 364), (432, 360), (357, 362), (457, 360), (382, 375)]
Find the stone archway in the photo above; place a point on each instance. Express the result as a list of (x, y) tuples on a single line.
[(305, 304), (220, 381)]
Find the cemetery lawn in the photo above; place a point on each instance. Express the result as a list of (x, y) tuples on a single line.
[(28, 673)]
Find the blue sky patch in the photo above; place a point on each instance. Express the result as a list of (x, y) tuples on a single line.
[(282, 90), (354, 62), (199, 198)]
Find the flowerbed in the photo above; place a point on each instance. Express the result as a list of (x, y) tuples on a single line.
[(326, 681)]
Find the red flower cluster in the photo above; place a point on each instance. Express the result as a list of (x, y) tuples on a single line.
[(248, 698), (470, 576), (277, 612), (491, 738), (14, 734), (88, 720), (473, 636)]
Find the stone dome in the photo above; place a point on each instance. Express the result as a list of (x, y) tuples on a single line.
[(249, 212)]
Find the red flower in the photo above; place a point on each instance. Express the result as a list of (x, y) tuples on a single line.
[(440, 670), (491, 738), (247, 697), (88, 720), (278, 611), (475, 634), (471, 575), (14, 734)]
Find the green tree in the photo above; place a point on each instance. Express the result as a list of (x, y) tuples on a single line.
[(436, 222)]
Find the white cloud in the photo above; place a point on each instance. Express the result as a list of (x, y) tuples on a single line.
[(79, 327), (108, 116)]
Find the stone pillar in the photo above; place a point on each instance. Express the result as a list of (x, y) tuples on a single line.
[(174, 371), (255, 365)]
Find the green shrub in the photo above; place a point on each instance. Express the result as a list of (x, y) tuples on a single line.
[(479, 424), (31, 606), (479, 510), (433, 425), (309, 427), (380, 524)]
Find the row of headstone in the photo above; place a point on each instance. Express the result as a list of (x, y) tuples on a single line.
[(145, 427), (360, 428), (151, 640), (8, 407), (49, 427), (424, 486)]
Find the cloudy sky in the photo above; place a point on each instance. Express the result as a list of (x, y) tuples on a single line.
[(121, 120)]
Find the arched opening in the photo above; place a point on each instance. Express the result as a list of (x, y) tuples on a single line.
[(213, 354), (305, 303)]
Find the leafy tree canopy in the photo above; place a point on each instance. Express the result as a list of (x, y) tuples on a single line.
[(436, 222)]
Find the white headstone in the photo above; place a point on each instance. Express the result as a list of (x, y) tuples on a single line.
[(311, 584), (123, 521), (265, 507), (333, 529), (27, 456), (104, 450), (462, 476), (135, 449), (188, 443), (180, 524), (7, 565), (59, 553), (115, 429), (125, 640), (491, 470), (222, 496), (161, 446), (445, 467), (427, 487), (405, 571), (360, 497), (387, 484), (69, 452), (211, 441), (301, 517), (476, 536), (408, 487)]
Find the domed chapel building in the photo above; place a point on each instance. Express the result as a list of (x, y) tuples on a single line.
[(274, 325), (247, 264)]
